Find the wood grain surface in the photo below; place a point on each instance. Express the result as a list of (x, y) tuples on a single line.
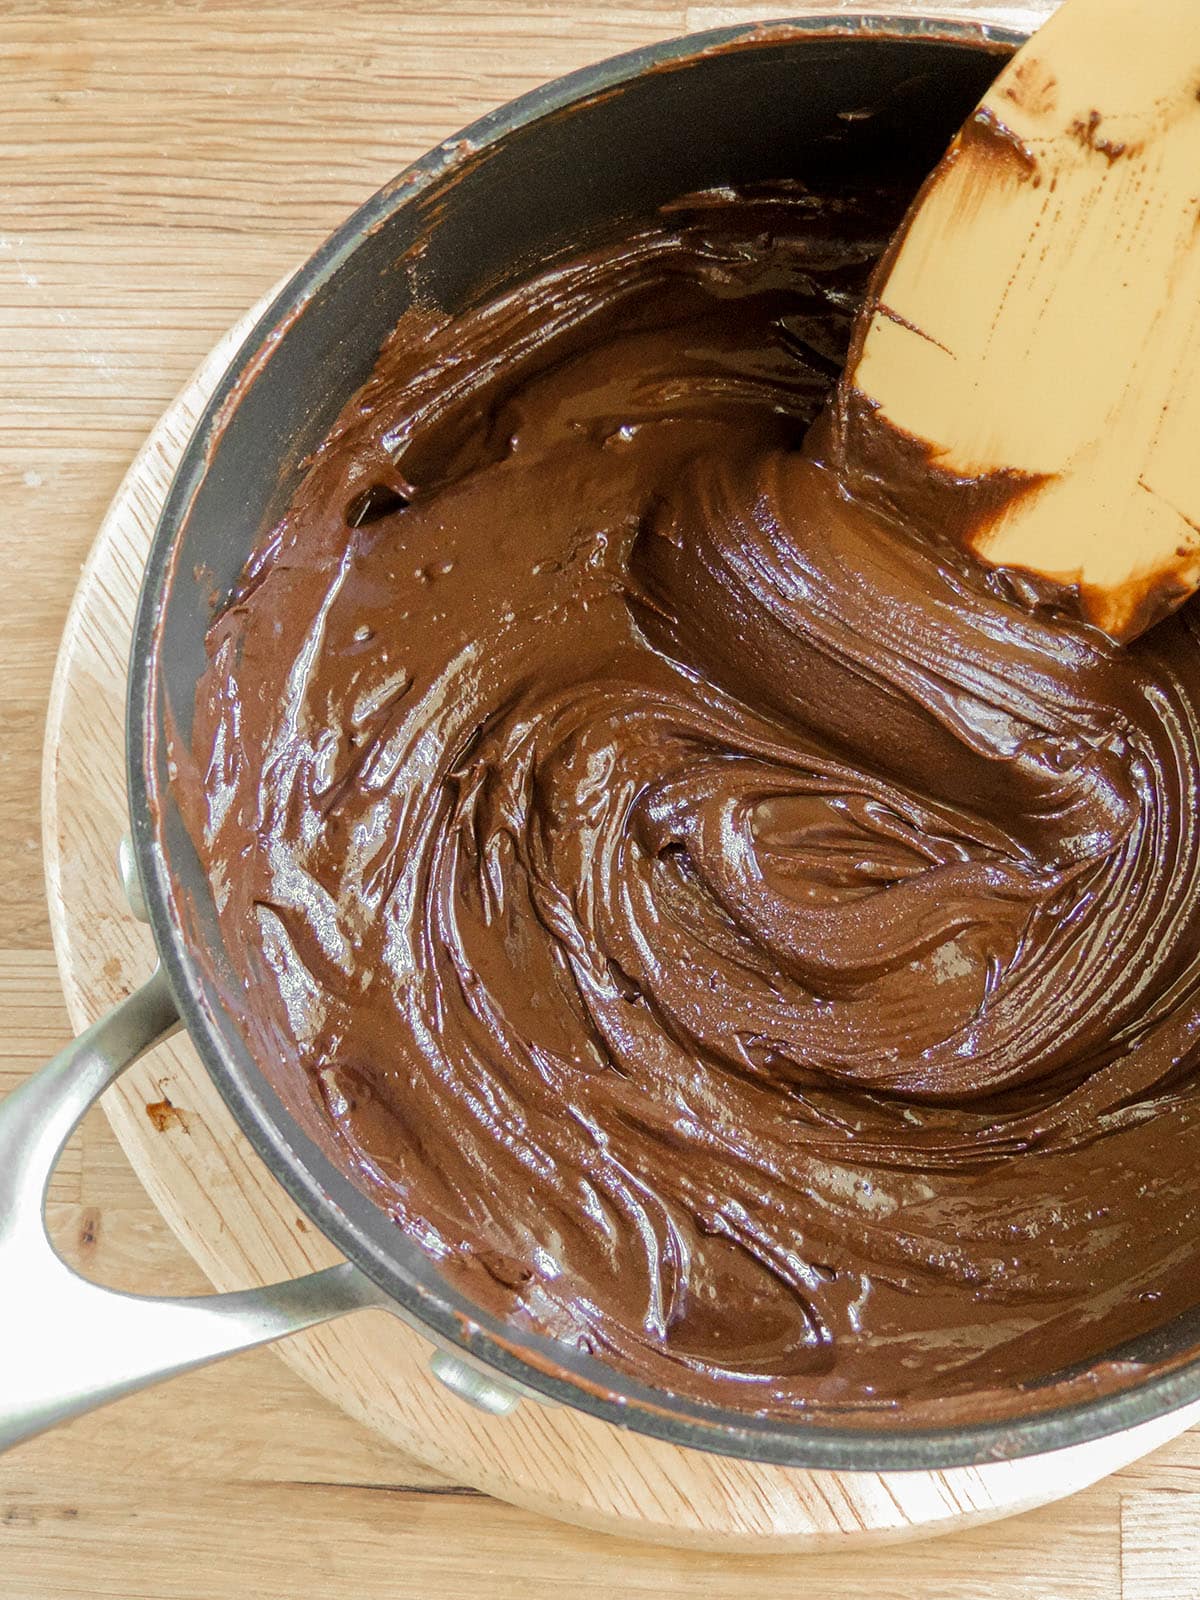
[(160, 166)]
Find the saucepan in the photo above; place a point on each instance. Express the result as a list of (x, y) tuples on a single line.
[(824, 98)]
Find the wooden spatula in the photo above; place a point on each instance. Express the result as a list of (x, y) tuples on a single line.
[(1034, 334)]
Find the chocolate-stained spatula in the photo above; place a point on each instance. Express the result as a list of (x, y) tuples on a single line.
[(1035, 331)]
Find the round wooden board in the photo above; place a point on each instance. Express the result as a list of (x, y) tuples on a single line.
[(242, 1228)]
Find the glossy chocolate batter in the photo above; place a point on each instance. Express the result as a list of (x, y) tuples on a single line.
[(730, 933)]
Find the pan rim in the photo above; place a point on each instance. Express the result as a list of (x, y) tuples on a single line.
[(325, 1194)]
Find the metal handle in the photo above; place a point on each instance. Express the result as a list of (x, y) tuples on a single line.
[(68, 1345)]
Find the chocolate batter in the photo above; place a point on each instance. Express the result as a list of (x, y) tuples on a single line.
[(729, 932)]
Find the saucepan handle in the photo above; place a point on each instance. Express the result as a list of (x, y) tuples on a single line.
[(68, 1345)]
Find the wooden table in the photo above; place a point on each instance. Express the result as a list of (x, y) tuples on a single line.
[(160, 167)]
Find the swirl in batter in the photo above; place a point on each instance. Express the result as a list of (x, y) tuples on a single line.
[(729, 933)]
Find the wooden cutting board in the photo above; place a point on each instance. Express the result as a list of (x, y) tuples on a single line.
[(242, 1228)]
